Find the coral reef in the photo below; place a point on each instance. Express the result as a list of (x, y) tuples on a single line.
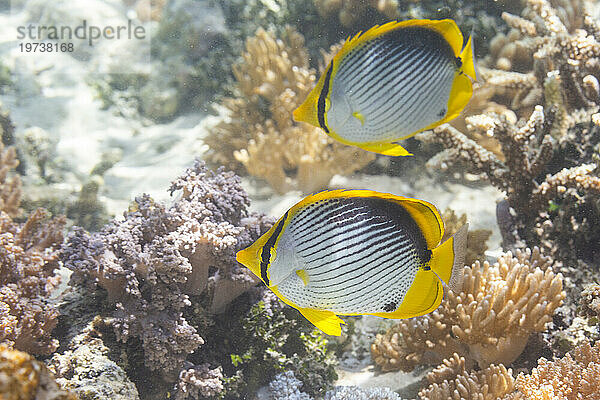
[(286, 386), (575, 376), (488, 322), (476, 238), (151, 262), (28, 260), (451, 380), (22, 377), (258, 131), (356, 393), (590, 301), (199, 380)]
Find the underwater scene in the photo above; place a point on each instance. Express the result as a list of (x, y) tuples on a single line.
[(300, 199)]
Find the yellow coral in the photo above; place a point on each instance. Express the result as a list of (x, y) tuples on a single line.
[(273, 80), (489, 321), (22, 377), (576, 376)]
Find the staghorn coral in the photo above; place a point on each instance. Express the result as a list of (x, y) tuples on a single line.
[(575, 376), (10, 188), (349, 12), (157, 257), (451, 380), (259, 133), (476, 239), (489, 321), (22, 377), (28, 260), (556, 212)]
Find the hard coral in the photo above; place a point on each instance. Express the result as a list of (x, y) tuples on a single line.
[(22, 377), (451, 380), (259, 133), (476, 239), (489, 321), (152, 261), (575, 376), (28, 259)]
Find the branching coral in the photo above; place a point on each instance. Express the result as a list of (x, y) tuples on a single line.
[(152, 261), (351, 11), (451, 380), (28, 259), (259, 133), (22, 377), (575, 376), (489, 321)]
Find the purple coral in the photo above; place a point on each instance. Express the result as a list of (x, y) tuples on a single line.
[(153, 260), (28, 259)]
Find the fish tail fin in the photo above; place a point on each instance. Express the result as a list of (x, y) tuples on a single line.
[(467, 56), (447, 260)]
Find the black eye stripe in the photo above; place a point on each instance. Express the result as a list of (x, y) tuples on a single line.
[(265, 256), (322, 97)]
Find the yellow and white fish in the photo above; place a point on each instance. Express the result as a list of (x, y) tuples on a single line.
[(391, 82), (353, 252)]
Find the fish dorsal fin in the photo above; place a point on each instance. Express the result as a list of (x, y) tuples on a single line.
[(326, 321), (445, 27)]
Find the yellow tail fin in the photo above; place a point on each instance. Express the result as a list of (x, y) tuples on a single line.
[(447, 260), (468, 60)]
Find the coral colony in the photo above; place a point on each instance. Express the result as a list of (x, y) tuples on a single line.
[(156, 305)]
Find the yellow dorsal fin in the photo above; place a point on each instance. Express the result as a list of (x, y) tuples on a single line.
[(445, 27), (326, 321)]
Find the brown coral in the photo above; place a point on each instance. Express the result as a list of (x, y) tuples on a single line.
[(489, 321), (573, 377), (451, 380), (259, 133), (22, 377), (28, 259)]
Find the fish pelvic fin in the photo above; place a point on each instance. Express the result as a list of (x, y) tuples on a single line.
[(467, 57), (447, 260), (387, 149), (327, 321)]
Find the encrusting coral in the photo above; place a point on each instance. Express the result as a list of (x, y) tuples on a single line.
[(488, 322), (451, 380), (573, 377), (151, 262), (259, 133), (23, 377)]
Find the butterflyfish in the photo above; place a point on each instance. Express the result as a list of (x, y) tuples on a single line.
[(354, 252), (391, 82)]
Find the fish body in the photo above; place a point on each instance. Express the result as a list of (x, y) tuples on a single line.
[(391, 82), (354, 252)]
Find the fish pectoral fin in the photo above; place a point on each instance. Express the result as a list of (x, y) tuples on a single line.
[(359, 117), (388, 149), (303, 275), (326, 321)]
